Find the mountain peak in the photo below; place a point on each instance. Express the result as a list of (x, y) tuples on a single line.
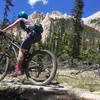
[(93, 21), (93, 16)]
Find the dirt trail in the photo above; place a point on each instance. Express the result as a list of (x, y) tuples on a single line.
[(18, 91)]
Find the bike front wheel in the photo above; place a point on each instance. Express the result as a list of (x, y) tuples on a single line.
[(4, 64), (42, 68)]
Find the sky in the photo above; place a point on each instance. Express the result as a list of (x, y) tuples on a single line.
[(64, 6)]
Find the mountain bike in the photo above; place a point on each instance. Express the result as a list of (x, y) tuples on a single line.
[(39, 66)]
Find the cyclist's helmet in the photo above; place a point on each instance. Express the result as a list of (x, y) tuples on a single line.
[(23, 14), (38, 28)]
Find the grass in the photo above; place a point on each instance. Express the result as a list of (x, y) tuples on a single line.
[(86, 80)]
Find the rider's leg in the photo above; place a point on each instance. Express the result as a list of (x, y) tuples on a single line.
[(24, 47), (20, 59), (26, 44)]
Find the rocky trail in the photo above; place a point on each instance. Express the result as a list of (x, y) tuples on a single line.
[(16, 89)]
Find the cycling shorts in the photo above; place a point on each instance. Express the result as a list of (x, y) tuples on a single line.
[(32, 37)]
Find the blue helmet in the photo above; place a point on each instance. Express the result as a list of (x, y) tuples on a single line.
[(23, 14)]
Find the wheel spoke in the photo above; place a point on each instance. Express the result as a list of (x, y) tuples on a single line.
[(42, 68), (3, 65)]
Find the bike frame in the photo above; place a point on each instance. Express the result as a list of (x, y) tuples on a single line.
[(11, 52), (13, 46)]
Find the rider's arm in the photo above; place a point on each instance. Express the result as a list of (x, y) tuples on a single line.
[(12, 25)]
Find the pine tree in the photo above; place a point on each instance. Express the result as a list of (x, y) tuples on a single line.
[(77, 12), (8, 4)]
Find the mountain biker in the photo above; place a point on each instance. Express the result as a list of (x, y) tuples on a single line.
[(33, 36)]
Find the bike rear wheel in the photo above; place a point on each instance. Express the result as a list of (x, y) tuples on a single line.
[(4, 64), (42, 68)]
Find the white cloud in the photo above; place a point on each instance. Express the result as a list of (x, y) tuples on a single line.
[(33, 2)]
